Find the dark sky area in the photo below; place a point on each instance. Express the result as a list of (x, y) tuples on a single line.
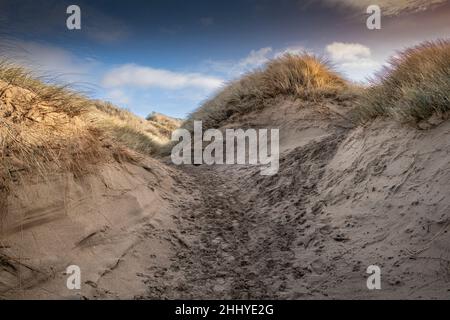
[(168, 56)]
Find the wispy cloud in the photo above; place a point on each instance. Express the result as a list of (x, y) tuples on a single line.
[(118, 96), (255, 59), (389, 7), (146, 77), (46, 59), (290, 50), (235, 68)]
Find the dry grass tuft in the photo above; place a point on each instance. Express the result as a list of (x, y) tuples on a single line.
[(166, 125), (47, 128), (144, 136), (296, 76), (414, 86), (42, 128)]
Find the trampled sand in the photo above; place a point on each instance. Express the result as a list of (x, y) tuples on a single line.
[(345, 198)]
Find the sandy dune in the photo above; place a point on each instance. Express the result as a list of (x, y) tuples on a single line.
[(345, 198)]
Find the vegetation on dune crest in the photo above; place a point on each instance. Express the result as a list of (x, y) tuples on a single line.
[(164, 123), (144, 136), (35, 90), (46, 127), (41, 127), (297, 76), (414, 86)]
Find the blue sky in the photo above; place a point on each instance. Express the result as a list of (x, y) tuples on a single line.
[(169, 56)]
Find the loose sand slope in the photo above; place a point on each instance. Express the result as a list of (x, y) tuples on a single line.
[(91, 222), (72, 192), (344, 199)]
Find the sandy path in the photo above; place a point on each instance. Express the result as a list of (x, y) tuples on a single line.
[(296, 236), (239, 244), (343, 200), (213, 260)]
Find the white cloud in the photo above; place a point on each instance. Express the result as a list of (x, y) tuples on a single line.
[(341, 52), (255, 59), (46, 59), (389, 7), (147, 77), (118, 96), (353, 59)]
